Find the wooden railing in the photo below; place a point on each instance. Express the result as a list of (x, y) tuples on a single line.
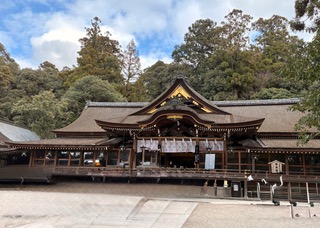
[(196, 173)]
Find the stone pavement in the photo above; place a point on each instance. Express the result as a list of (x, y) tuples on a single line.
[(139, 205), (41, 209)]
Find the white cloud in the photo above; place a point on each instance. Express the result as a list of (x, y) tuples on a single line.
[(60, 44), (60, 53), (152, 58), (53, 36), (25, 63)]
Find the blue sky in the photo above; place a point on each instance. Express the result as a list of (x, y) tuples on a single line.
[(34, 31)]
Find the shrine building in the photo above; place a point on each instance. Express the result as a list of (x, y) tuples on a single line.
[(180, 135)]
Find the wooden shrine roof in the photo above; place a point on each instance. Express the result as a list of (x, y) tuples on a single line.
[(65, 143), (16, 132), (180, 100), (289, 143), (277, 116)]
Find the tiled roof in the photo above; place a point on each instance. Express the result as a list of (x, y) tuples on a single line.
[(256, 102), (86, 121), (277, 116), (117, 104), (289, 143), (218, 103), (16, 133), (61, 142)]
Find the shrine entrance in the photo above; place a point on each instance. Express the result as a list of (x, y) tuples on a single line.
[(180, 152), (178, 160)]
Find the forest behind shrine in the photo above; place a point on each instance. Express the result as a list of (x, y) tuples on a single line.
[(236, 59)]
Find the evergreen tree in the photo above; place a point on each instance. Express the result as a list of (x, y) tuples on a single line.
[(308, 68), (99, 56)]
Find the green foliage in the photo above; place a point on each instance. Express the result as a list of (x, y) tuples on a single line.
[(42, 113), (158, 77), (220, 61), (6, 76), (307, 68), (306, 11), (8, 69), (99, 56), (310, 105), (90, 88), (310, 98), (200, 43), (155, 79), (35, 81), (11, 97), (137, 92), (272, 93)]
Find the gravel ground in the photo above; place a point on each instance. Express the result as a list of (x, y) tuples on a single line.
[(86, 204)]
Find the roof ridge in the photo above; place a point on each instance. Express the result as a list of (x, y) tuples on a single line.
[(218, 103)]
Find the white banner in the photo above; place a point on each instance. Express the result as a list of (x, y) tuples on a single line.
[(211, 145), (148, 144), (179, 145), (174, 146), (210, 161)]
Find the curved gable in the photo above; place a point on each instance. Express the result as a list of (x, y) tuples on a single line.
[(181, 91)]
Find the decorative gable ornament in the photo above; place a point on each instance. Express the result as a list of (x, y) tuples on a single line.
[(276, 166)]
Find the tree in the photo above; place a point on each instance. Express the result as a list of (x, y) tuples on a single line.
[(5, 76), (90, 88), (199, 43), (11, 97), (235, 30), (131, 66), (156, 79), (210, 51), (35, 81), (310, 98), (308, 69), (279, 54), (8, 70), (42, 113), (99, 56), (272, 93), (306, 11), (131, 69)]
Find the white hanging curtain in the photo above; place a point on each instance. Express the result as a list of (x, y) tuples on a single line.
[(212, 144), (179, 145), (148, 144)]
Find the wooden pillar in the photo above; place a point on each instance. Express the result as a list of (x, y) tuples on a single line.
[(245, 188), (226, 159), (223, 162), (143, 154), (239, 162), (133, 154), (307, 189), (253, 163), (287, 163), (55, 158), (69, 158), (31, 157), (289, 191), (197, 144), (304, 164), (160, 150), (269, 160)]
